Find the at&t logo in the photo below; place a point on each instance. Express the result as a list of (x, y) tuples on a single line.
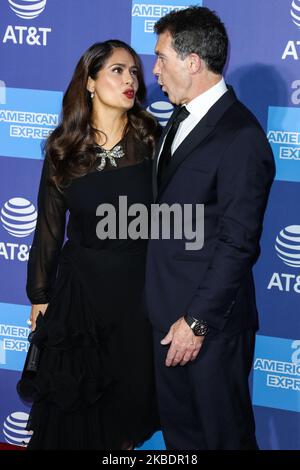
[(27, 9), (18, 217), (161, 110), (287, 246), (31, 35), (295, 12), (14, 429), (292, 47)]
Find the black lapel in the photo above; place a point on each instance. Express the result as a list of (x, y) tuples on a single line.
[(163, 134), (198, 134)]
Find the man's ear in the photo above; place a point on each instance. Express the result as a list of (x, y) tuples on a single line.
[(90, 86), (194, 63)]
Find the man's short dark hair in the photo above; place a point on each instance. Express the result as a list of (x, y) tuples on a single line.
[(197, 30)]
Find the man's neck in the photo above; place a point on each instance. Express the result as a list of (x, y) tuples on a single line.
[(203, 84)]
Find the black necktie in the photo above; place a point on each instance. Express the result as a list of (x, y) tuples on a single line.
[(165, 155)]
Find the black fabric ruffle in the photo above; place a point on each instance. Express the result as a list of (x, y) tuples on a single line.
[(93, 386), (69, 388)]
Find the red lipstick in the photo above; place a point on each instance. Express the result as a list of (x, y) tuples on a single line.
[(129, 93)]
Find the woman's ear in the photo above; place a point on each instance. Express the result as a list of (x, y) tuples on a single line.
[(90, 86)]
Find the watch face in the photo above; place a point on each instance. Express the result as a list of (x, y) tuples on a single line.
[(201, 328)]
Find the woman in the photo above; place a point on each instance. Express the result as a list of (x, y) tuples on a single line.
[(94, 386)]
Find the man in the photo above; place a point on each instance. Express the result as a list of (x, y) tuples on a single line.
[(202, 302)]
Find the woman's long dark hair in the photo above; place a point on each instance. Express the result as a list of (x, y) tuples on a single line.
[(70, 148)]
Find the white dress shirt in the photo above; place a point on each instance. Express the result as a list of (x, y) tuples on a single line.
[(197, 108)]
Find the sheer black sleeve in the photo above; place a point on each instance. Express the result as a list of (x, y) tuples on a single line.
[(48, 240)]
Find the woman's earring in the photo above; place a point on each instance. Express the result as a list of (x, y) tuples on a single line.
[(92, 94)]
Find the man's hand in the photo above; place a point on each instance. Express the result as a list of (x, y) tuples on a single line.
[(184, 347)]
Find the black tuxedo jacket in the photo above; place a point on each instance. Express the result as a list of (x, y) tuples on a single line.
[(225, 163)]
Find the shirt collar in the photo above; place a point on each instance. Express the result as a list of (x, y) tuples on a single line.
[(200, 105)]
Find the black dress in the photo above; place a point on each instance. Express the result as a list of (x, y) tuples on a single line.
[(94, 387)]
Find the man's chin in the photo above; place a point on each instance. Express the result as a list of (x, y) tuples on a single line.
[(173, 100), (165, 92)]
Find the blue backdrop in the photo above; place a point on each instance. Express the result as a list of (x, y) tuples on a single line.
[(40, 44)]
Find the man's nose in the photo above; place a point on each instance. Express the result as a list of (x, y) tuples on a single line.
[(156, 69)]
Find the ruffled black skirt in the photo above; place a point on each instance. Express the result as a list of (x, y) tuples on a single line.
[(93, 387)]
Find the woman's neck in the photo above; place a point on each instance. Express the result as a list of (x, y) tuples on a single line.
[(112, 124)]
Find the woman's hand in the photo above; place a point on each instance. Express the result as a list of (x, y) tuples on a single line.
[(34, 313)]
